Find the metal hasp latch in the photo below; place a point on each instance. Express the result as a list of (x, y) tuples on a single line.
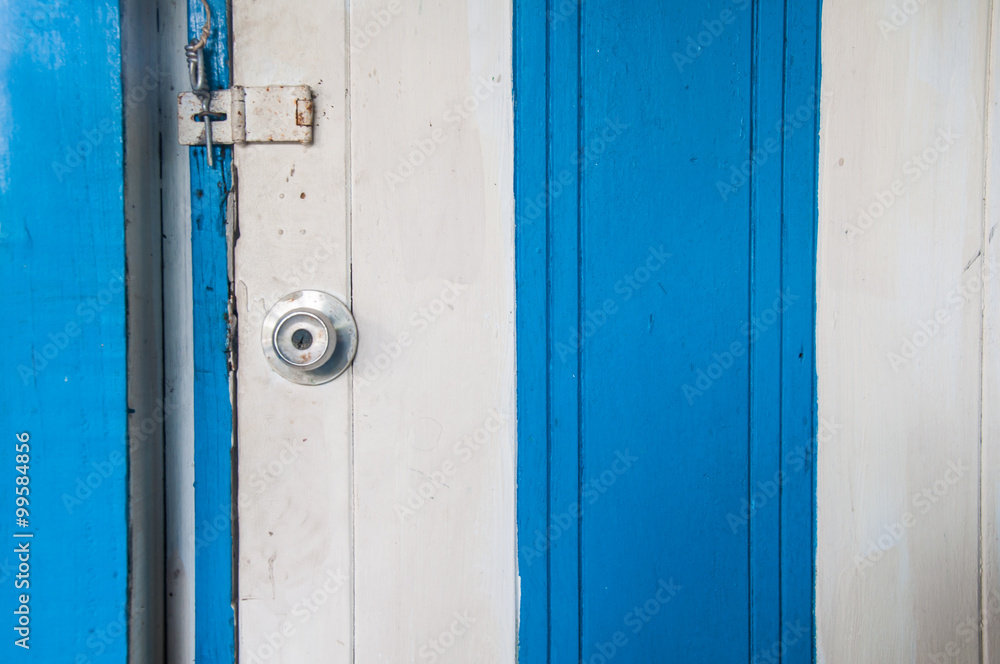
[(273, 114)]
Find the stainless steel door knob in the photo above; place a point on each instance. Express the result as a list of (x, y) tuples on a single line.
[(309, 337)]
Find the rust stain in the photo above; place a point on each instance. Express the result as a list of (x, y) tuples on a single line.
[(304, 112)]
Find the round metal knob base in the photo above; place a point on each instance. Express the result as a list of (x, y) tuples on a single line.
[(309, 337)]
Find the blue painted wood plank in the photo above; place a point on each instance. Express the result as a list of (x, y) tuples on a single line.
[(799, 427), (215, 619), (565, 422), (766, 308), (63, 340), (532, 192), (671, 260), (693, 236)]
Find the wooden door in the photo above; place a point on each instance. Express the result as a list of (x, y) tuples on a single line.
[(666, 190)]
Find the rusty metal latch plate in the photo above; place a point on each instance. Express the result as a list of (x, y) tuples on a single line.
[(273, 114)]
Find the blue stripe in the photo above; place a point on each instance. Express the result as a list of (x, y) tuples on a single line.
[(666, 406), (214, 569), (63, 338)]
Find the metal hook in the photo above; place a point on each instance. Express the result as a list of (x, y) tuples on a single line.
[(195, 53)]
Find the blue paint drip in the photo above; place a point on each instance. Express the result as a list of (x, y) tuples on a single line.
[(215, 618), (63, 337)]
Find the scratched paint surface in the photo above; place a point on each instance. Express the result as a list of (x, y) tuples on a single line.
[(62, 338), (215, 619), (666, 193)]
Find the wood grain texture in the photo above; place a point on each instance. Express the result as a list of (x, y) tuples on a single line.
[(63, 338), (215, 619), (434, 390), (903, 252), (295, 556)]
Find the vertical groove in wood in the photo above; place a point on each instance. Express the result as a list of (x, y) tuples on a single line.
[(989, 484)]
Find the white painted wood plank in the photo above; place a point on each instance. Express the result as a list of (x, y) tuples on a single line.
[(433, 275), (294, 441), (178, 341), (990, 509), (898, 488)]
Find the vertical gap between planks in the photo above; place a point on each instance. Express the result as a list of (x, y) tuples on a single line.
[(751, 265), (549, 327), (580, 309), (781, 327), (985, 570), (814, 397), (348, 244)]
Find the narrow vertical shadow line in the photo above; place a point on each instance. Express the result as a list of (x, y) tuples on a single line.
[(988, 203), (549, 326), (580, 308), (349, 245), (751, 265), (813, 395), (781, 326)]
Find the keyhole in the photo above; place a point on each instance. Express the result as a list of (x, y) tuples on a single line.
[(302, 339)]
